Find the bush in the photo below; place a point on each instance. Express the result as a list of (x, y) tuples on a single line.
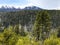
[(8, 37), (26, 41), (52, 41)]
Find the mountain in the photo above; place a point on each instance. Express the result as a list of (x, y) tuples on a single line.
[(32, 8), (7, 9)]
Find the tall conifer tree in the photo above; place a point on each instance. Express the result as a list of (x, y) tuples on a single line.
[(42, 24)]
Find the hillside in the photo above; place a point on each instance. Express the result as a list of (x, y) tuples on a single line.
[(27, 17), (30, 27)]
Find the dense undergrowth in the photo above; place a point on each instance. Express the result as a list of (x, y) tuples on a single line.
[(9, 37)]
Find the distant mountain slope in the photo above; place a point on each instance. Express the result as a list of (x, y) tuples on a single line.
[(32, 8), (7, 9)]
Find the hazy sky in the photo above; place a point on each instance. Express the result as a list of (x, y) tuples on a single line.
[(46, 4)]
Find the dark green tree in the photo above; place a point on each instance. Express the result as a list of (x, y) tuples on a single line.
[(42, 25)]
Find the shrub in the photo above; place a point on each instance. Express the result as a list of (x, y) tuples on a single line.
[(52, 41), (26, 41)]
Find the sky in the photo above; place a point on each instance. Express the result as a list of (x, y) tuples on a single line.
[(45, 4)]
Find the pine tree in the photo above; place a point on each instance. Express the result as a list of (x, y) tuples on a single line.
[(42, 24)]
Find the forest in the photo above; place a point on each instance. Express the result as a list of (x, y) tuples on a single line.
[(30, 27)]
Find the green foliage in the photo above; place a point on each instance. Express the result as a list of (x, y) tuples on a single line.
[(1, 38), (16, 29), (52, 41), (26, 41), (12, 40), (8, 37), (54, 33), (42, 24), (58, 34), (19, 31), (22, 32), (13, 36)]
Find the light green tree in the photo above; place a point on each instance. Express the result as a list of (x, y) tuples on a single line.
[(9, 37)]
